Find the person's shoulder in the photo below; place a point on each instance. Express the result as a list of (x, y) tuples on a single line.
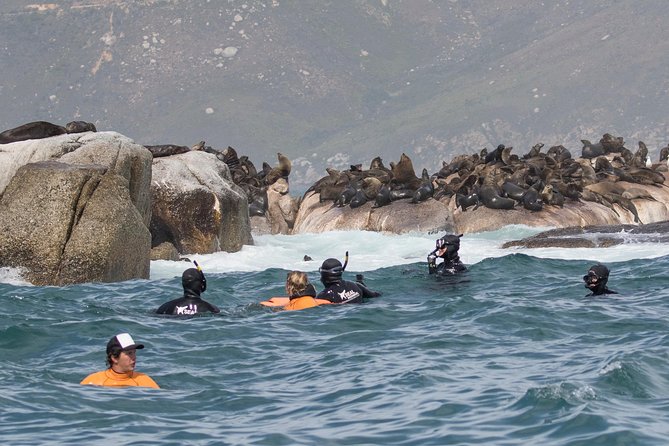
[(211, 307), (95, 378), (168, 307), (144, 380)]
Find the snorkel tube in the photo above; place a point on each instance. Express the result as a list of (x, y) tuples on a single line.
[(343, 268), (203, 280)]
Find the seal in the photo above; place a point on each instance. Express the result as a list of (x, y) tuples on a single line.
[(465, 201), (591, 150), (346, 195), (531, 200), (80, 127), (490, 196), (31, 130), (167, 150), (404, 174), (230, 156), (512, 190), (422, 193), (280, 171), (495, 155), (371, 186), (358, 199), (382, 197)]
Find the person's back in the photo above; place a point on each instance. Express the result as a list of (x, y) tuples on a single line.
[(338, 290), (194, 283)]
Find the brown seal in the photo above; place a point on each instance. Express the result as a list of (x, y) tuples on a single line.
[(31, 130)]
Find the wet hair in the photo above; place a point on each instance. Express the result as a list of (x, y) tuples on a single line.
[(296, 282), (115, 352)]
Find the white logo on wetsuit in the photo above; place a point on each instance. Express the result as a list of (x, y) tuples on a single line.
[(187, 309), (348, 295)]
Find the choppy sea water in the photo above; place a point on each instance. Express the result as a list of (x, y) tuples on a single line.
[(509, 353)]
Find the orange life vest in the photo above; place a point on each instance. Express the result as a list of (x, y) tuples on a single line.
[(297, 303)]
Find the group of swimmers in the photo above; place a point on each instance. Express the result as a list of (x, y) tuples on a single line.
[(122, 349)]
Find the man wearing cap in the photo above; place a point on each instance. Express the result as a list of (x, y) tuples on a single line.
[(447, 248), (337, 290), (121, 358), (194, 283)]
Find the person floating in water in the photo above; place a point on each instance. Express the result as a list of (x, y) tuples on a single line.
[(337, 290), (595, 280), (447, 248), (194, 283), (121, 359), (301, 294)]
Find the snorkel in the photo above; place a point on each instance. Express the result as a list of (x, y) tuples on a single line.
[(203, 280), (345, 261)]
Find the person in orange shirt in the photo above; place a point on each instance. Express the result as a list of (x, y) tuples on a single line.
[(121, 358), (301, 294)]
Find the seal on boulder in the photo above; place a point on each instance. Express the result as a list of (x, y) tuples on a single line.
[(80, 127), (31, 130), (167, 150)]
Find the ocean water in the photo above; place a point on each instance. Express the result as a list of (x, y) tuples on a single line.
[(508, 353)]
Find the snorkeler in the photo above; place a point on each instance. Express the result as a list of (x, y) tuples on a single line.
[(337, 290), (121, 359), (595, 280), (447, 248), (194, 283)]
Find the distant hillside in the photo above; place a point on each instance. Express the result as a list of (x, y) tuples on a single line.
[(339, 82)]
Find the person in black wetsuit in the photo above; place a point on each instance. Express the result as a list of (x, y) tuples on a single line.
[(447, 248), (595, 280), (338, 290), (190, 303)]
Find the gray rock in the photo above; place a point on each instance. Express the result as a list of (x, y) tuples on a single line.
[(67, 224), (196, 206)]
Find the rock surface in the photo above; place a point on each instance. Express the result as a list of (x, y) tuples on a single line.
[(68, 224), (196, 206), (401, 217)]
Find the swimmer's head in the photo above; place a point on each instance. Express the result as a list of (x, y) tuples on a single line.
[(122, 342), (296, 282), (596, 277), (448, 245), (192, 280), (331, 271)]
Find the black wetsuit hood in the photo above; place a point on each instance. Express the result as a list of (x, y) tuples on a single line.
[(192, 282), (596, 280)]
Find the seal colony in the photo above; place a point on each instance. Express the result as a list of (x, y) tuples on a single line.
[(482, 188), (607, 184)]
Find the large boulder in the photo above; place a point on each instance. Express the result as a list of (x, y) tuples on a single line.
[(82, 218), (400, 217), (66, 224), (196, 206), (119, 154)]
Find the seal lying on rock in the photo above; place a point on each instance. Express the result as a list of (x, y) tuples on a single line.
[(31, 130)]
